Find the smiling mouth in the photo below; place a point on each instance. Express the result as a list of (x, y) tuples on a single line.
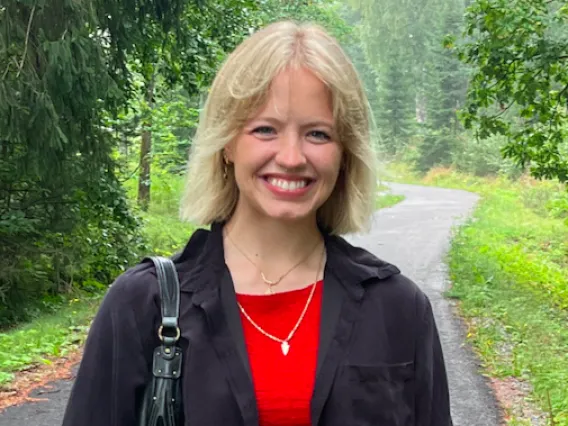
[(288, 185)]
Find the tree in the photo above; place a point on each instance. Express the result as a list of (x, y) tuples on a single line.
[(188, 57), (445, 84), (398, 38), (63, 214), (519, 88)]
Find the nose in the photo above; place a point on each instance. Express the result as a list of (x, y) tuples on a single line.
[(291, 152)]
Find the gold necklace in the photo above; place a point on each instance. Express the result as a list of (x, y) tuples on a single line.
[(266, 280), (285, 343)]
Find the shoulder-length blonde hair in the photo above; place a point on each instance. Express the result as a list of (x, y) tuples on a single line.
[(241, 87)]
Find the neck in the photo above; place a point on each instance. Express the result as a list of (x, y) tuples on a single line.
[(268, 241)]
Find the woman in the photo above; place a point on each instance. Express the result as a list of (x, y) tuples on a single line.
[(283, 322)]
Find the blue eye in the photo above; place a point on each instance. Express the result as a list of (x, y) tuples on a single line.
[(318, 134), (264, 130)]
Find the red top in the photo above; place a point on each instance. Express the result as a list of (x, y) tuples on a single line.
[(283, 383)]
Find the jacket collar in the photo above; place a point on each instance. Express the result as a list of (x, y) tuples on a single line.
[(204, 253)]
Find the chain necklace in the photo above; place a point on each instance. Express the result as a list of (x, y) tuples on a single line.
[(285, 343), (266, 280)]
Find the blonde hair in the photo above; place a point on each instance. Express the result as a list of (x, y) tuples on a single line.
[(241, 87)]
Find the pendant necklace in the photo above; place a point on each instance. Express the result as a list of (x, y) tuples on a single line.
[(285, 343), (268, 282)]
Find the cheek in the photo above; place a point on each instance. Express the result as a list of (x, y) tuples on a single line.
[(330, 161)]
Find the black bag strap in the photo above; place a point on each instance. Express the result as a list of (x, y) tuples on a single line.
[(162, 402), (168, 281)]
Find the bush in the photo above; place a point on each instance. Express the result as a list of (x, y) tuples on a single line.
[(483, 157), (435, 149), (39, 267)]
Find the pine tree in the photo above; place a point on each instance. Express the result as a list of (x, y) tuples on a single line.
[(396, 107)]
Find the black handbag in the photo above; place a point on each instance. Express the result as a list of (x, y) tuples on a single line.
[(162, 404)]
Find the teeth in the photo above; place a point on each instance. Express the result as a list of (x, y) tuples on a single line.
[(288, 185)]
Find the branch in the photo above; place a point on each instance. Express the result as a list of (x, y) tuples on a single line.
[(559, 97), (504, 110), (27, 40), (131, 175), (8, 68), (562, 92)]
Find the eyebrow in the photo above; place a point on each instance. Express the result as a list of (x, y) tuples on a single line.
[(312, 123)]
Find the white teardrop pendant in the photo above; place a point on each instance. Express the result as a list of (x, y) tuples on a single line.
[(285, 346)]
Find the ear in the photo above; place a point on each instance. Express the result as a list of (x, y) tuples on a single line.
[(228, 153)]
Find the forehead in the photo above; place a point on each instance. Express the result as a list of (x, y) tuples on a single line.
[(298, 94)]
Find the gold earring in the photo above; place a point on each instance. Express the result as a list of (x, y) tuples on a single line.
[(225, 166)]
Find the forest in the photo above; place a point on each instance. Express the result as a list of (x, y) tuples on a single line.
[(99, 101)]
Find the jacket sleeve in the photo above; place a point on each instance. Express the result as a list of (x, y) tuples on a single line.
[(432, 394), (116, 364)]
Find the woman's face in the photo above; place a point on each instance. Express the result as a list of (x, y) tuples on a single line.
[(287, 157)]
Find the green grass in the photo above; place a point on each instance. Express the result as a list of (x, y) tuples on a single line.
[(388, 200), (509, 268), (385, 198), (46, 337)]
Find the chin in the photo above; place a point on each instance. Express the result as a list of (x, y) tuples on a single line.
[(289, 215)]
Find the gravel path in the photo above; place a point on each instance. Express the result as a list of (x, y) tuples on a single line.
[(414, 235)]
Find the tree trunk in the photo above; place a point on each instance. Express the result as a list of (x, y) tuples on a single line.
[(146, 151)]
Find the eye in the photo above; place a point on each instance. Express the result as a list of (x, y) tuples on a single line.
[(319, 135), (264, 131)]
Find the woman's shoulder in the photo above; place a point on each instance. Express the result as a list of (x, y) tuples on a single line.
[(379, 277), (135, 288)]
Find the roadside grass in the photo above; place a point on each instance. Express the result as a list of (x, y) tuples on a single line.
[(46, 337), (388, 200), (509, 268)]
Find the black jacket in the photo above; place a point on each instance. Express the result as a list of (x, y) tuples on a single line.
[(379, 362)]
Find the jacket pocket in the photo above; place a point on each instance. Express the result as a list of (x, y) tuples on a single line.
[(382, 395)]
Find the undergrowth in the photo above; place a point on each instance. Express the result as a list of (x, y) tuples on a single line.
[(65, 327)]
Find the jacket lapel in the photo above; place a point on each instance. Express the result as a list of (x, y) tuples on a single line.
[(212, 291), (333, 296), (338, 314), (228, 300)]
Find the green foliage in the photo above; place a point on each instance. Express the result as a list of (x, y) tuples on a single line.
[(53, 335), (482, 157), (418, 85), (509, 266), (446, 77), (435, 148), (396, 110), (388, 44), (64, 220), (101, 244), (62, 321), (327, 13), (519, 53)]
